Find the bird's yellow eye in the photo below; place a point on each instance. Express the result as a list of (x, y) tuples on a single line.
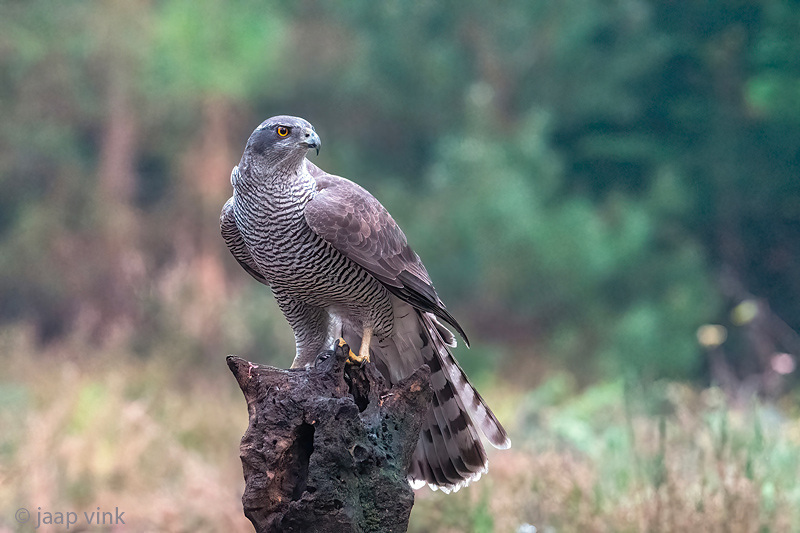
[(283, 131)]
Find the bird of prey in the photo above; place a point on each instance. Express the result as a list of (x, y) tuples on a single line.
[(339, 266)]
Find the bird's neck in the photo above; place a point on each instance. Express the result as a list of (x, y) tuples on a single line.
[(275, 177)]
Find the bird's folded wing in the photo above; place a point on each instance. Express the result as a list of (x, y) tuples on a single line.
[(356, 224)]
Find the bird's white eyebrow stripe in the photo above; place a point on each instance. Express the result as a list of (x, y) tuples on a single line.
[(275, 125)]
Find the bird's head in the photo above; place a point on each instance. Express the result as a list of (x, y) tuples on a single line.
[(281, 142)]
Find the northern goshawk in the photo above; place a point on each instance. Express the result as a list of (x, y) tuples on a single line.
[(340, 267)]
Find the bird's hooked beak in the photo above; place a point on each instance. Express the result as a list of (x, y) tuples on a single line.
[(311, 140)]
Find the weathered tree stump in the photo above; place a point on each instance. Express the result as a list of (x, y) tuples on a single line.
[(328, 448)]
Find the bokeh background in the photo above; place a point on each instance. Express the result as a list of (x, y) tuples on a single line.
[(605, 192)]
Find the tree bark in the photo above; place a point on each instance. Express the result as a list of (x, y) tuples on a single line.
[(328, 448)]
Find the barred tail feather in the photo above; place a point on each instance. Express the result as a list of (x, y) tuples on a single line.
[(449, 453), (470, 398)]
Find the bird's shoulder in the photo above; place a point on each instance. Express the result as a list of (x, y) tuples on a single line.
[(330, 185), (341, 209)]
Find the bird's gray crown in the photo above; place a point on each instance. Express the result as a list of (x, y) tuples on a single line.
[(280, 143), (285, 120)]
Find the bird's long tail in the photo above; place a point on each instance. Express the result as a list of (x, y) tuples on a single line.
[(449, 454)]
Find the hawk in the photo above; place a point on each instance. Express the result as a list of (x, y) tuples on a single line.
[(339, 266)]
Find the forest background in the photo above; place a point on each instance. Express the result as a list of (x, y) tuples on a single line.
[(605, 193)]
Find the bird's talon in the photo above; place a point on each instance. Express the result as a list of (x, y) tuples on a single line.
[(352, 357)]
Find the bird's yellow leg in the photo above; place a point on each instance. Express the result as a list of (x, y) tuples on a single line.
[(366, 338), (363, 352)]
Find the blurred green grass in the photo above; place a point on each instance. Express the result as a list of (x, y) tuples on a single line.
[(85, 427)]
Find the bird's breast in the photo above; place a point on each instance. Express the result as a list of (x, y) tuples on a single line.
[(301, 264)]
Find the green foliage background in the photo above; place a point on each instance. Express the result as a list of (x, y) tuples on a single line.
[(576, 175)]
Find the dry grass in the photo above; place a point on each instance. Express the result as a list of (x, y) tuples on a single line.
[(591, 463), (115, 433), (85, 428)]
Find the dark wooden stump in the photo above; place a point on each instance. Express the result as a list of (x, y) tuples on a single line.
[(328, 448)]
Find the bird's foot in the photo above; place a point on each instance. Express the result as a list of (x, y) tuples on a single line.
[(353, 358)]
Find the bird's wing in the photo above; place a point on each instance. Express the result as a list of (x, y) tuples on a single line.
[(358, 226), (235, 241)]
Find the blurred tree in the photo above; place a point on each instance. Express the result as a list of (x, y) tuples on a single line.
[(117, 101), (611, 281), (592, 165)]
